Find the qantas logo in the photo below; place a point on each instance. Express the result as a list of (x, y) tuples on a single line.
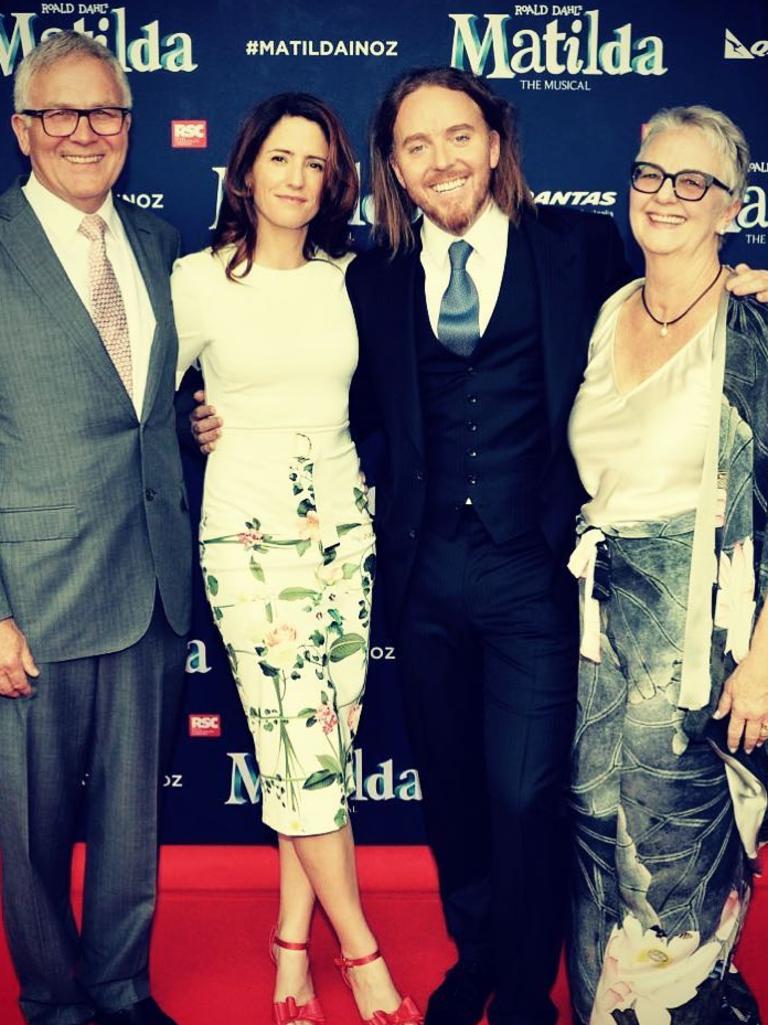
[(736, 50)]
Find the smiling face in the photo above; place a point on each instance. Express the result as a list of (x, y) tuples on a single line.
[(443, 154), (662, 223), (288, 174), (82, 168)]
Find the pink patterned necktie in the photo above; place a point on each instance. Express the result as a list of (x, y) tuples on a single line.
[(107, 307)]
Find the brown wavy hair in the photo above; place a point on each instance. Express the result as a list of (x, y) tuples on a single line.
[(394, 212), (237, 223)]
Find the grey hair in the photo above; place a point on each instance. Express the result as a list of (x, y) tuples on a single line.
[(58, 47), (726, 137)]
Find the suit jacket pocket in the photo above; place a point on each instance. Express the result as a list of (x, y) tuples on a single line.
[(46, 523)]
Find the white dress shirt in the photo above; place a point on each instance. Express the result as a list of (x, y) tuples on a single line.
[(60, 222), (488, 237)]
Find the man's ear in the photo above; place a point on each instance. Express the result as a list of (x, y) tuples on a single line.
[(396, 169), (494, 143), (20, 126)]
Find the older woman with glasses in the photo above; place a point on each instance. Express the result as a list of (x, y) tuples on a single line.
[(670, 435)]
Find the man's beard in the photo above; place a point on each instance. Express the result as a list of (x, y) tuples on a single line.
[(456, 222)]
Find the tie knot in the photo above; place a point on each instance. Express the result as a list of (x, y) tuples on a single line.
[(93, 227), (458, 254)]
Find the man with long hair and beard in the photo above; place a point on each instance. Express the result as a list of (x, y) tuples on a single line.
[(472, 338)]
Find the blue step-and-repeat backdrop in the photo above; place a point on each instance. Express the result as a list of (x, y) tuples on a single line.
[(584, 77)]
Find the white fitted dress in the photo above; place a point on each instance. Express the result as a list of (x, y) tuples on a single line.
[(286, 540)]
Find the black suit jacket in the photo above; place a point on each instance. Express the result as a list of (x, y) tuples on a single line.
[(579, 261)]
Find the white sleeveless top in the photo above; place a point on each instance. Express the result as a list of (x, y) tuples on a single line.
[(640, 453)]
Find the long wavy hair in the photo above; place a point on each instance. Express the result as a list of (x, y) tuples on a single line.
[(394, 212), (237, 223)]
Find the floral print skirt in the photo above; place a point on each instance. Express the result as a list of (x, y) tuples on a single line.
[(661, 878), (291, 596)]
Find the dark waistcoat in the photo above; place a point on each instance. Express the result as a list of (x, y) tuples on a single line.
[(485, 418)]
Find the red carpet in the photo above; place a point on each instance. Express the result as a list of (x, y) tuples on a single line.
[(209, 953)]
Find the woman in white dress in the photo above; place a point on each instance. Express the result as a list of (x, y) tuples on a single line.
[(286, 539)]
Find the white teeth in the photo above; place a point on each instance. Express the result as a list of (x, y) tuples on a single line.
[(82, 160), (666, 219), (449, 186)]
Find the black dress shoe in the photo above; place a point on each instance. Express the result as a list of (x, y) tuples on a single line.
[(145, 1012), (461, 997)]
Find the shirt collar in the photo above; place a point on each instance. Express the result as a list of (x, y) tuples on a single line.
[(487, 234), (60, 217)]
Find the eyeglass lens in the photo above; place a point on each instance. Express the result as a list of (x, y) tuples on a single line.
[(686, 184), (103, 121)]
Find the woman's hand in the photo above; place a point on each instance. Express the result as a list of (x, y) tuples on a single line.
[(745, 696), (745, 281)]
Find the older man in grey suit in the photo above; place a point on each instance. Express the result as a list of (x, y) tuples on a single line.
[(94, 544)]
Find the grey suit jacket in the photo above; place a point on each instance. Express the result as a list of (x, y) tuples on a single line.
[(93, 514)]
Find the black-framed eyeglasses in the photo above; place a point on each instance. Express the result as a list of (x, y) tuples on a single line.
[(59, 122), (690, 186)]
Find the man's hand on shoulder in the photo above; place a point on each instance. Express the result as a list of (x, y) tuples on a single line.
[(206, 426), (745, 281), (16, 662)]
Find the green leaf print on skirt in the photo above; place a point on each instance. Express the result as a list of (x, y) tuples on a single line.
[(295, 620)]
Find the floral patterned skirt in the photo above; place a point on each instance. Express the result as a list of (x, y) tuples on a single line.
[(291, 596), (661, 878)]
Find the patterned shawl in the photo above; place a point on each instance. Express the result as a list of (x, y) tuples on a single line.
[(737, 492)]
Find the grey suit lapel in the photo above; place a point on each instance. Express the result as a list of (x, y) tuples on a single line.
[(25, 240)]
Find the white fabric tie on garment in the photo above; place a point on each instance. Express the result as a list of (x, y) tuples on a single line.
[(582, 565)]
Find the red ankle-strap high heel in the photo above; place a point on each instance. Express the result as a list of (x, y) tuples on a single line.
[(406, 1014), (284, 1012)]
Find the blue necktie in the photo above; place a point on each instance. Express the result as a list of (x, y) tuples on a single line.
[(458, 326)]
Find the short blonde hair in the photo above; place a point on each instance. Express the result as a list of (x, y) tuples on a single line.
[(726, 137)]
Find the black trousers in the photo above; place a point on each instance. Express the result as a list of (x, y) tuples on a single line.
[(487, 652)]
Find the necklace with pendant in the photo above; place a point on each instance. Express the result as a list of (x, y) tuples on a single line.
[(666, 324)]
